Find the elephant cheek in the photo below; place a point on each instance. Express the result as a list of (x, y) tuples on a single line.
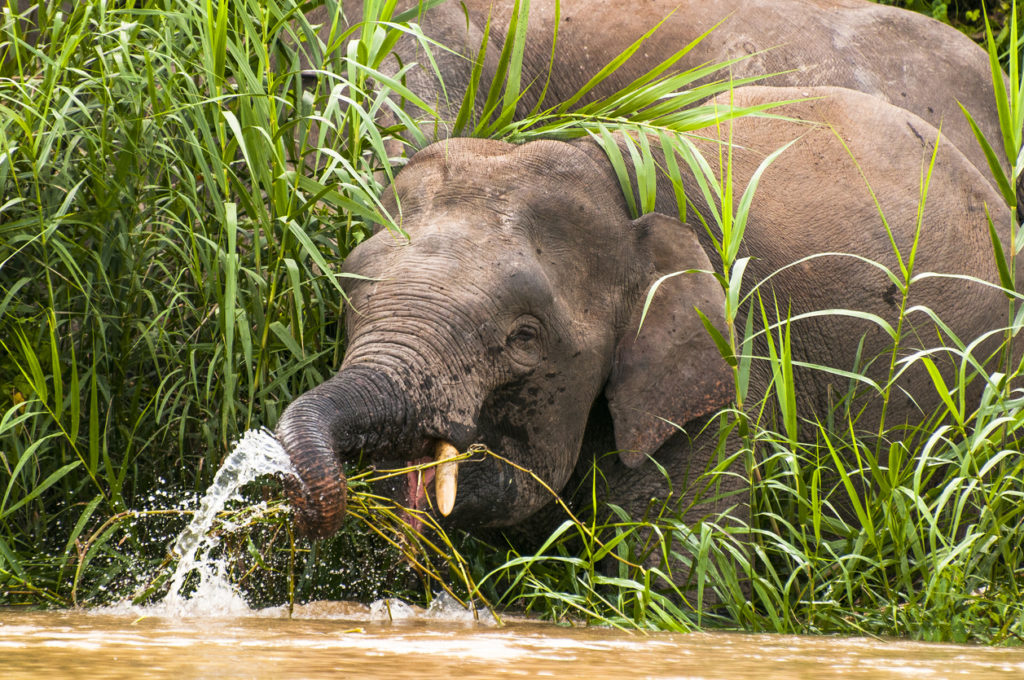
[(506, 488), (535, 431)]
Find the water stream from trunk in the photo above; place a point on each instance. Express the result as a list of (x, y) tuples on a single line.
[(256, 454), (200, 586)]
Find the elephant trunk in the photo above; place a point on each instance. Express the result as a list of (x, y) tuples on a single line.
[(356, 408)]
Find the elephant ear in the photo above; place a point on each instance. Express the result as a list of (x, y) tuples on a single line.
[(671, 372)]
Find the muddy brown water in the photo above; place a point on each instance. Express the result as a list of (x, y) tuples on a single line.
[(334, 640)]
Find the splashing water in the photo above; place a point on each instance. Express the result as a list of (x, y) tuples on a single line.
[(256, 454), (443, 607)]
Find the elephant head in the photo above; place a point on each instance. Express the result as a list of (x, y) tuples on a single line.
[(508, 304)]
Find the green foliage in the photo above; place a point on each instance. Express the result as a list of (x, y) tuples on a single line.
[(167, 280), (967, 16), (174, 209)]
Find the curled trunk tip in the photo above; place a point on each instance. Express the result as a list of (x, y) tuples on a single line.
[(318, 490), (356, 408), (319, 510)]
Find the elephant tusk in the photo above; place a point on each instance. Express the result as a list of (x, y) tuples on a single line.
[(446, 479)]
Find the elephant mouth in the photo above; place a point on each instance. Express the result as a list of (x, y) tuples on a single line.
[(434, 487), (417, 481)]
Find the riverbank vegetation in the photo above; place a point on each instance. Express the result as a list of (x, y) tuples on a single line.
[(173, 209)]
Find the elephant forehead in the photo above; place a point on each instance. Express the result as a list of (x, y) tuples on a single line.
[(514, 201), (467, 238), (485, 225), (437, 261), (538, 182), (485, 158)]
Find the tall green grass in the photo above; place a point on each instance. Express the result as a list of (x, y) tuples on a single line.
[(174, 208), (166, 279)]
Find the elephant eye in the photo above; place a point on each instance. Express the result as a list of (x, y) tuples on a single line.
[(524, 334)]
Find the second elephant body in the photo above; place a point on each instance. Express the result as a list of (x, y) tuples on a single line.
[(902, 57)]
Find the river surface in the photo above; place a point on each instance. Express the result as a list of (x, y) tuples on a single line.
[(337, 640)]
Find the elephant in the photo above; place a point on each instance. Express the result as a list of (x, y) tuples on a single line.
[(507, 312), (902, 57)]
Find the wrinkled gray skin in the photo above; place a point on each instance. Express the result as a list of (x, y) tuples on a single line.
[(509, 317), (905, 58)]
